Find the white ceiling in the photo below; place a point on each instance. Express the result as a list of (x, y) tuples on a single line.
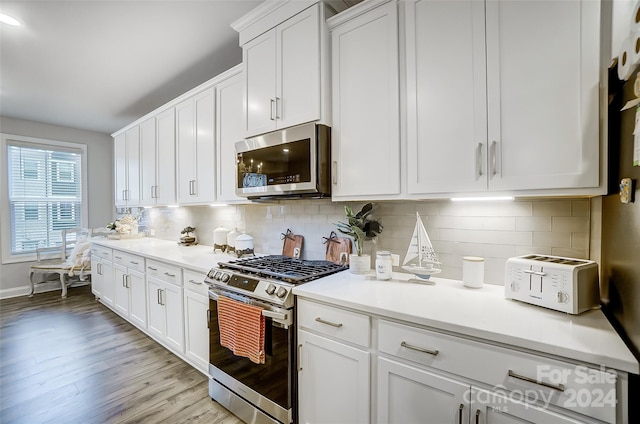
[(101, 64)]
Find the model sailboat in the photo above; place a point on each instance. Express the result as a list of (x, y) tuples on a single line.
[(421, 258)]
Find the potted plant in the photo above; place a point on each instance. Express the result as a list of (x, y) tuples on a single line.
[(360, 226)]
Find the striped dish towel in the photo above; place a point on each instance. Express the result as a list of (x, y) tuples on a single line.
[(241, 329)]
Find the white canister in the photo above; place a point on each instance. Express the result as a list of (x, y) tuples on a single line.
[(231, 238), (473, 271), (244, 242), (220, 237), (384, 265)]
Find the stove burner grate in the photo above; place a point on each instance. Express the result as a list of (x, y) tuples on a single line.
[(284, 268)]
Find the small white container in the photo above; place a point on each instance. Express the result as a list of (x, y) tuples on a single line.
[(231, 239), (473, 271), (244, 242), (384, 265)]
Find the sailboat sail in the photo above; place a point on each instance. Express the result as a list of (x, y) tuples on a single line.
[(420, 247)]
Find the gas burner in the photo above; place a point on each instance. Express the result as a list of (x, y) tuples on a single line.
[(284, 268)]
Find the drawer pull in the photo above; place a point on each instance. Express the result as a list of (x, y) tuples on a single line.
[(558, 387), (152, 268), (460, 413), (333, 324), (134, 263), (195, 282), (168, 274), (419, 349)]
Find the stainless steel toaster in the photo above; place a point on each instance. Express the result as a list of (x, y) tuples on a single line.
[(564, 284)]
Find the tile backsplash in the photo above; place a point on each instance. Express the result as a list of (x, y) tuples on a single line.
[(495, 230)]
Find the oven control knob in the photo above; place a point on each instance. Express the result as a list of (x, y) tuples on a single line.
[(224, 277), (282, 292), (271, 289)]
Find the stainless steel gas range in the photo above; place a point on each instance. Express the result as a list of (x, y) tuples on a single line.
[(260, 393)]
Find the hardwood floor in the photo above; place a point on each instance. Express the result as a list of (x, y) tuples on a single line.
[(75, 361)]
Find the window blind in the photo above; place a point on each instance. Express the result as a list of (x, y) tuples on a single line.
[(45, 194)]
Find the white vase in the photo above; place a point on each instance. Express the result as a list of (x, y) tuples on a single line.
[(359, 264)]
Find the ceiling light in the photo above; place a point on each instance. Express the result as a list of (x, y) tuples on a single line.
[(480, 199), (6, 19)]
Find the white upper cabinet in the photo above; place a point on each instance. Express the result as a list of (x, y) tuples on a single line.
[(542, 94), (366, 112), (521, 116), (157, 153), (195, 129), (127, 167), (228, 131), (284, 68)]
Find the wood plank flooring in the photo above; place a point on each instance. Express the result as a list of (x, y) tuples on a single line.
[(75, 361)]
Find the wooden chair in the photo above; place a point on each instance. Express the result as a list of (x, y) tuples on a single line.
[(71, 258)]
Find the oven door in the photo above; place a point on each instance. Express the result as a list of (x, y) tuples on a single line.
[(268, 386)]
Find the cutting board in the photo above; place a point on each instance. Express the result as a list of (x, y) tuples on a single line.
[(338, 249), (292, 246)]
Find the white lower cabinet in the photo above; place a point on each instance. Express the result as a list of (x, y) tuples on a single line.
[(333, 365), (164, 312), (102, 274), (196, 311), (130, 299), (414, 374)]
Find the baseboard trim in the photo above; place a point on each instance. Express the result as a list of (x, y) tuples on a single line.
[(40, 288)]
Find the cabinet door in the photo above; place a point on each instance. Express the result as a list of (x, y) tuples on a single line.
[(229, 130), (121, 283), (298, 69), (148, 156), (259, 58), (543, 82), (333, 381), (186, 149), (138, 299), (446, 96), (408, 394), (97, 279), (133, 166), (366, 130), (108, 286), (493, 408), (196, 307), (120, 159), (155, 311), (165, 191), (205, 177), (171, 299)]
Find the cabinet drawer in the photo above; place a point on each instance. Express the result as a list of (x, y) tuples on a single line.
[(194, 281), (576, 387), (128, 260), (165, 272), (102, 252), (335, 322)]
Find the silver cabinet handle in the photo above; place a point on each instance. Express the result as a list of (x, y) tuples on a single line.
[(119, 257), (127, 281), (124, 284), (169, 274), (195, 282), (271, 105), (158, 296), (208, 317), (460, 413), (333, 324), (558, 387), (152, 268), (278, 107), (300, 357), (479, 160), (419, 349), (494, 157), (334, 172), (134, 262)]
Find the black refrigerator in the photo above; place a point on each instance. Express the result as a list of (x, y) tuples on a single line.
[(620, 261)]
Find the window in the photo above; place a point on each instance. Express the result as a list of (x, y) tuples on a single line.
[(44, 192)]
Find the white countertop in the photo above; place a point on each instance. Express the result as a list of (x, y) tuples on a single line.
[(481, 313), (196, 257)]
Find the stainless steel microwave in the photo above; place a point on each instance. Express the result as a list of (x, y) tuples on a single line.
[(293, 162)]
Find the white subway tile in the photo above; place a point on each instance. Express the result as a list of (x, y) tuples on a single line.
[(533, 223), (497, 208), (580, 241), (569, 224), (552, 208), (552, 239), (490, 237), (537, 250), (580, 207), (569, 253)]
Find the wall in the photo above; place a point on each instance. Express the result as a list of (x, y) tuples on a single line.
[(13, 277), (494, 230)]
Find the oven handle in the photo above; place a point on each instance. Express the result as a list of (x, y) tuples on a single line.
[(284, 318)]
